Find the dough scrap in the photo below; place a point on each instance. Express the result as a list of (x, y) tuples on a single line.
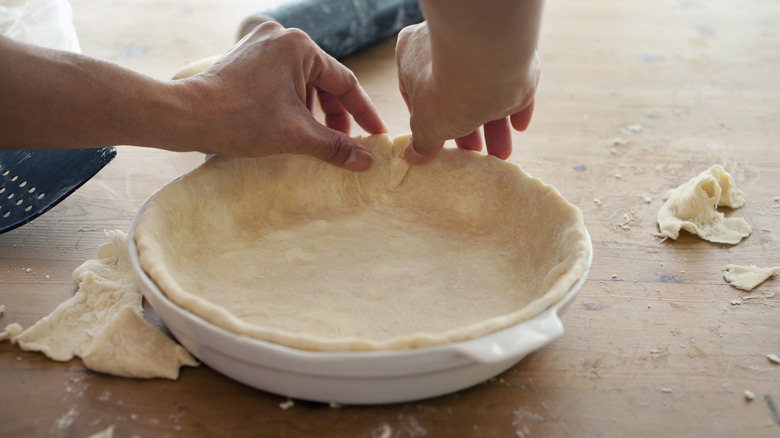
[(748, 277), (105, 433), (105, 285), (195, 67), (692, 207), (128, 346), (106, 290), (10, 331), (291, 250)]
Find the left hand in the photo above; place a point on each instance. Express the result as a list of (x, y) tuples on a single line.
[(448, 107)]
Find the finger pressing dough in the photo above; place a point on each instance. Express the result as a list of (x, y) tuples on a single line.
[(292, 250), (692, 207)]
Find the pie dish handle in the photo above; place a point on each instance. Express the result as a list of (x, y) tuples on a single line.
[(514, 342)]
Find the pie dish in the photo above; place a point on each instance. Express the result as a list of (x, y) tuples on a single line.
[(289, 255), (355, 377)]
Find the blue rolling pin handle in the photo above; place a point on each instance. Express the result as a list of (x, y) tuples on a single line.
[(341, 27)]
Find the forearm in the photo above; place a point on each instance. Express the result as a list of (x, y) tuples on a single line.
[(488, 44), (53, 99)]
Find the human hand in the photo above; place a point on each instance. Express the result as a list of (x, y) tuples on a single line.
[(258, 99), (445, 104)]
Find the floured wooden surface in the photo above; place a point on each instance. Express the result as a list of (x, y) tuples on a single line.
[(664, 322)]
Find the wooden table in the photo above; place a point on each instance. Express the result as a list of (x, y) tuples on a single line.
[(654, 345)]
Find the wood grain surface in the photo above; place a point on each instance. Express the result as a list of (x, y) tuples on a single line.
[(653, 346)]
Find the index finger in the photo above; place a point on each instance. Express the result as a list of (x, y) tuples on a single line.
[(336, 117), (337, 80)]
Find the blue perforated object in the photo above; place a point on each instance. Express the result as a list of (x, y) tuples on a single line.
[(33, 181)]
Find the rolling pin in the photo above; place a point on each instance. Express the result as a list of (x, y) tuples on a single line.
[(340, 27)]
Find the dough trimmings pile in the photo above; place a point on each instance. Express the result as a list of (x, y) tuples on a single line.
[(748, 277), (692, 207), (291, 250), (102, 323)]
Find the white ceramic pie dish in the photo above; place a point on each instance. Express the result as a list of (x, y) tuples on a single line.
[(354, 377)]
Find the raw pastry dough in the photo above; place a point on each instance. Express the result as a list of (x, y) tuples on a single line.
[(691, 207), (128, 346), (196, 67), (105, 285), (748, 277), (105, 433), (104, 312), (10, 331), (291, 250)]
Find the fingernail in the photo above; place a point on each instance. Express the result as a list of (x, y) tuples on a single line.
[(411, 155), (359, 159)]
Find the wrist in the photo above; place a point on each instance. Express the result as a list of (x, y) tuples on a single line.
[(486, 94), (169, 120), (484, 53)]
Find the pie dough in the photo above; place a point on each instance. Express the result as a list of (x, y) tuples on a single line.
[(106, 284), (196, 67), (128, 346), (692, 207), (103, 324), (105, 433), (748, 277), (10, 331), (291, 250)]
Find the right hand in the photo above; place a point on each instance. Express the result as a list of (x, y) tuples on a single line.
[(257, 100)]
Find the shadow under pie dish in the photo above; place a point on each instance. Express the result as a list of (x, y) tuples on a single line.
[(394, 284)]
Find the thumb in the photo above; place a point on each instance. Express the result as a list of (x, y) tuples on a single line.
[(338, 149), (419, 151)]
